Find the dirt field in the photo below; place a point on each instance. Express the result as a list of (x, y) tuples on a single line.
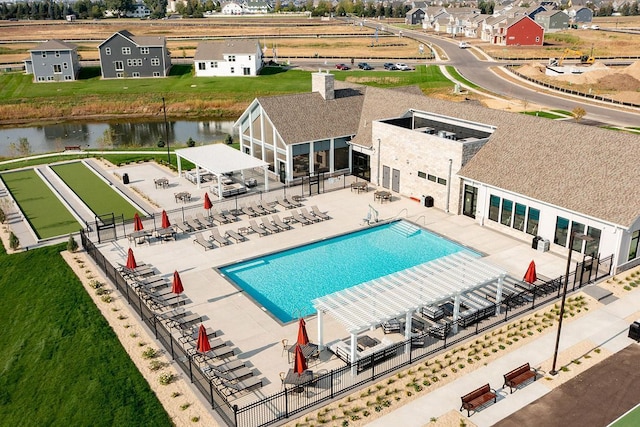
[(594, 398)]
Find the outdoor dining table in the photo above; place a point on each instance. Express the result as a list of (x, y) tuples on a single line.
[(298, 380), (382, 196), (307, 350), (139, 236), (161, 182), (359, 186), (166, 233), (183, 197)]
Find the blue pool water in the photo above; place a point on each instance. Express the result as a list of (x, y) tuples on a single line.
[(286, 282)]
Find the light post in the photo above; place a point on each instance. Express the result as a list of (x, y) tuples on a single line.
[(574, 235), (166, 130)]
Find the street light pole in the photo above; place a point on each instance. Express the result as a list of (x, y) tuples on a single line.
[(166, 130), (572, 236)]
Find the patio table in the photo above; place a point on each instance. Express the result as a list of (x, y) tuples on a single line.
[(298, 380), (307, 351)]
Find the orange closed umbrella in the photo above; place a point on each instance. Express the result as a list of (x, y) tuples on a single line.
[(300, 363), (303, 338), (165, 220), (530, 275), (203, 340), (131, 260), (137, 222)]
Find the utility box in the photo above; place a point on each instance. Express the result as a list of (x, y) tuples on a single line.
[(543, 245), (534, 242), (634, 331), (125, 178)]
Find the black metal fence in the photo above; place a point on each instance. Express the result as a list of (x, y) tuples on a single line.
[(326, 385)]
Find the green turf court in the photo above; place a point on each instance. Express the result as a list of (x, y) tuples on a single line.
[(46, 214), (630, 419), (94, 192)]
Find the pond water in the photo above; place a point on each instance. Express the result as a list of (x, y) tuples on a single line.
[(54, 137)]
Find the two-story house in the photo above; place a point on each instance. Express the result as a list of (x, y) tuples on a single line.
[(234, 57), (53, 61), (125, 55)]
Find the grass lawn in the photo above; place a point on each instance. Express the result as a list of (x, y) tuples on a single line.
[(427, 77), (630, 419), (61, 363), (545, 114), (98, 196), (46, 214)]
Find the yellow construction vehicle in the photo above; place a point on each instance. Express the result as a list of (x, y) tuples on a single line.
[(584, 59)]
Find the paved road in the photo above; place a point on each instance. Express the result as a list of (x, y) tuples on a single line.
[(479, 72)]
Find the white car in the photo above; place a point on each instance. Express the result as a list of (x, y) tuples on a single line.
[(403, 67), (464, 45), (595, 27)]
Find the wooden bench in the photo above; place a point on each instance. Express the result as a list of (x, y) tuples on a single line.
[(477, 398), (72, 148), (519, 375)]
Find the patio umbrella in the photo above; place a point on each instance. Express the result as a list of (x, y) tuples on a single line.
[(131, 260), (177, 287), (303, 338), (530, 275), (300, 363), (207, 201), (165, 220), (137, 222), (203, 340)]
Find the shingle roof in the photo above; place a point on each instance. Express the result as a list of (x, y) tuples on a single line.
[(54, 44), (215, 50), (145, 41)]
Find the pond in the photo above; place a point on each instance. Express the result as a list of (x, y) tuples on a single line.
[(54, 137)]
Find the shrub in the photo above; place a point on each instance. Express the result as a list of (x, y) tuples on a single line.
[(156, 365), (95, 284), (166, 378), (3, 216), (106, 298), (229, 139), (14, 242), (185, 406), (195, 419), (175, 394), (72, 245), (191, 142), (150, 353), (161, 143)]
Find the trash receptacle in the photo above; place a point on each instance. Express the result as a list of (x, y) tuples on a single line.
[(125, 178), (534, 243), (634, 331), (428, 201)]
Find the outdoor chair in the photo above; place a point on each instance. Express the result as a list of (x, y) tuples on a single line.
[(192, 223), (232, 388), (249, 212), (323, 216), (226, 367), (285, 346), (203, 242), (257, 229), (217, 216), (204, 221), (299, 218), (268, 226), (305, 213), (279, 223), (267, 207), (284, 203), (180, 225), (235, 375), (236, 236), (222, 241), (257, 209)]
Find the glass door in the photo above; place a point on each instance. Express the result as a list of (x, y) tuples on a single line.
[(470, 201)]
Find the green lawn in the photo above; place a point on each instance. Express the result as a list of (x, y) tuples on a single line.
[(94, 192), (427, 77), (46, 214), (545, 114), (61, 363), (631, 419)]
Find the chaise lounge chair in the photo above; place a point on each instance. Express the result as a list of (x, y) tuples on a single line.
[(257, 229), (192, 223), (217, 216), (305, 213), (267, 206), (249, 212), (323, 216), (236, 236), (249, 384), (268, 226), (284, 203), (234, 375), (257, 209), (279, 223), (299, 218), (222, 241), (203, 242), (204, 221)]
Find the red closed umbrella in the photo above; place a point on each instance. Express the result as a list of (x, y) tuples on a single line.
[(203, 340), (303, 338), (207, 201), (177, 287), (165, 220), (300, 363), (137, 222), (530, 275), (131, 260)]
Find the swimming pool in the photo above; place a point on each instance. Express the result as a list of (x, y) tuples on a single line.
[(286, 282)]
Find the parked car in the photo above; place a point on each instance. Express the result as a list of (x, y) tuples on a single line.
[(464, 45), (390, 66), (364, 66), (403, 67), (595, 27), (342, 67)]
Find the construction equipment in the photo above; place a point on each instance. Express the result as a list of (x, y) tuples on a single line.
[(584, 59)]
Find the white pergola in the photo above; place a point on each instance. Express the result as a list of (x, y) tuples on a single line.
[(219, 159), (372, 303)]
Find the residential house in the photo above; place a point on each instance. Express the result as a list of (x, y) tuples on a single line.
[(232, 8), (493, 29), (534, 10), (552, 20), (523, 31), (579, 14), (53, 61), (489, 165), (414, 17), (125, 55), (234, 57), (257, 7)]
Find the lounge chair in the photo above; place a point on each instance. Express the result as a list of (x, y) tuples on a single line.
[(284, 203), (240, 386), (150, 284), (195, 225), (279, 223), (267, 206), (142, 270), (236, 236), (229, 216), (257, 209), (222, 241), (257, 229), (249, 212), (186, 321), (203, 242), (305, 213), (207, 222), (268, 226), (217, 216), (226, 367), (180, 225), (299, 218), (235, 375), (323, 216)]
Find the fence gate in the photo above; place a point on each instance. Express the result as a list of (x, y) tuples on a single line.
[(106, 227), (315, 184)]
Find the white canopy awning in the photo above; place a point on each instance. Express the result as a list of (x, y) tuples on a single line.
[(371, 303), (219, 158)]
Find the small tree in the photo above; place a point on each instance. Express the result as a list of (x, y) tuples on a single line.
[(578, 113), (3, 217), (229, 139), (160, 143), (14, 242), (191, 142), (72, 245)]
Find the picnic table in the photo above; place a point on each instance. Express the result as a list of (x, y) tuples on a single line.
[(298, 380), (161, 183), (166, 233), (381, 196), (359, 186), (308, 350), (183, 196), (139, 236)]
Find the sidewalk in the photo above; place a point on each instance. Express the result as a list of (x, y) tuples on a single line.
[(604, 327)]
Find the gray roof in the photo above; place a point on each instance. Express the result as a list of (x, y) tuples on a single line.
[(215, 50), (145, 41), (54, 44), (589, 170)]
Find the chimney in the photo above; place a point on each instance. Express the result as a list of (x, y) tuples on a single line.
[(323, 84)]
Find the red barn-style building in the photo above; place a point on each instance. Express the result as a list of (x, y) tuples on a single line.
[(524, 31)]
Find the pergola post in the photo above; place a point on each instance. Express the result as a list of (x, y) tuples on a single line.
[(499, 293), (407, 331), (179, 160), (266, 178), (354, 346), (219, 187), (320, 331), (197, 176), (456, 312)]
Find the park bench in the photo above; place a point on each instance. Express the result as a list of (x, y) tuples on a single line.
[(477, 398), (519, 375), (72, 148)]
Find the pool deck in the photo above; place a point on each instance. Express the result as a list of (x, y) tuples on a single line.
[(252, 331)]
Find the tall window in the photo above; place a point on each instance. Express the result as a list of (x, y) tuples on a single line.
[(507, 209), (119, 65), (532, 221), (340, 153), (321, 151), (126, 50), (202, 66), (494, 208), (633, 247), (518, 218), (562, 230), (592, 247), (57, 68), (577, 228), (300, 154)]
